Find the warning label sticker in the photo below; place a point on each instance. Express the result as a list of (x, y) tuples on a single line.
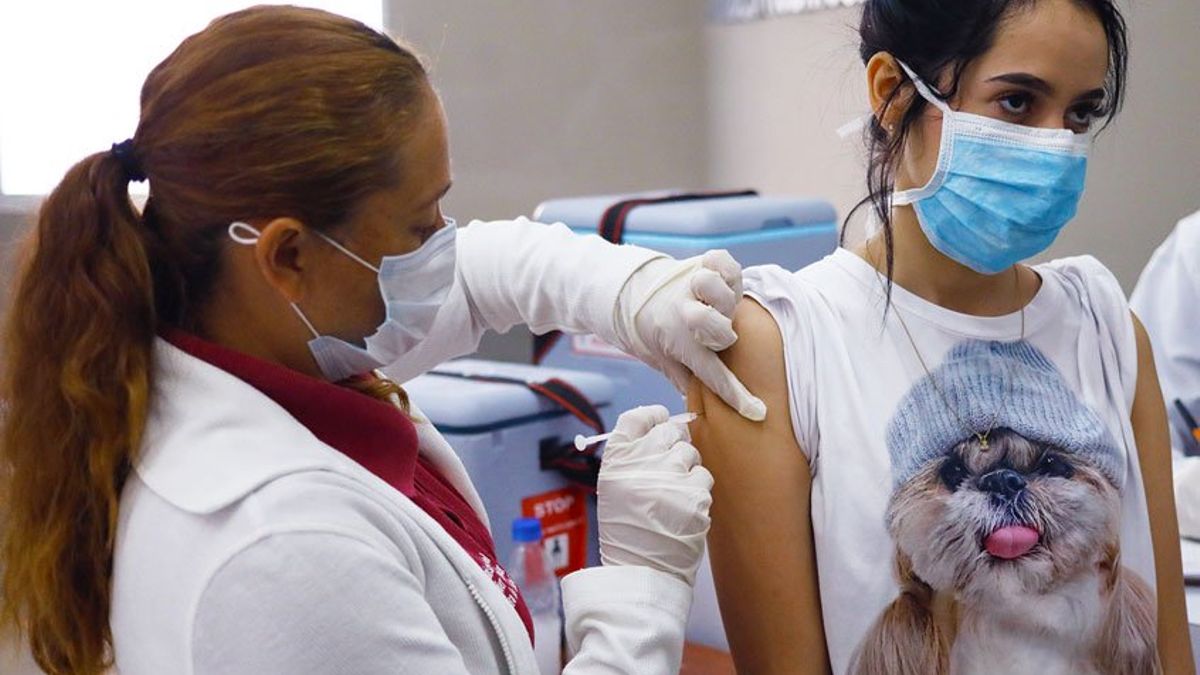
[(564, 526)]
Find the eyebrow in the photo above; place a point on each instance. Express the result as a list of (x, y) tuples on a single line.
[(1025, 80), (1038, 84)]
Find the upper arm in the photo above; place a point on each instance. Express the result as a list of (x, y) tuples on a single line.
[(1151, 434), (761, 544), (316, 602)]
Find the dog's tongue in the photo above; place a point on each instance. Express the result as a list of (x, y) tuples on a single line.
[(1011, 542)]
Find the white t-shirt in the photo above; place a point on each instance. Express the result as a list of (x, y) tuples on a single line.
[(1018, 534)]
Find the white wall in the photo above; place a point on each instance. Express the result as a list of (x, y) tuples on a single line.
[(778, 88)]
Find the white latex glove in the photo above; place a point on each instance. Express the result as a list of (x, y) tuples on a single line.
[(653, 495), (677, 314)]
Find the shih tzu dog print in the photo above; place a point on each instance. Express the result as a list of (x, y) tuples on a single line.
[(1007, 543)]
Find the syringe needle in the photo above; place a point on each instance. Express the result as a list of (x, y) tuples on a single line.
[(582, 442)]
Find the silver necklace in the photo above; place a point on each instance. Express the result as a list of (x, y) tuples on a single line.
[(982, 437)]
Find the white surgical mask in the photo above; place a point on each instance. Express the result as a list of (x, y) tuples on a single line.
[(413, 286)]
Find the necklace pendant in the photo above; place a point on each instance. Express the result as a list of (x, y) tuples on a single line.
[(983, 443)]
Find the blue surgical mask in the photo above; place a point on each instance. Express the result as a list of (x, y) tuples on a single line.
[(1001, 192), (414, 286)]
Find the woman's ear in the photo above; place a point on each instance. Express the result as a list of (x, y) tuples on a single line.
[(282, 254), (884, 77)]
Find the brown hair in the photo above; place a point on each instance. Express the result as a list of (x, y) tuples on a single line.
[(267, 112), (906, 638)]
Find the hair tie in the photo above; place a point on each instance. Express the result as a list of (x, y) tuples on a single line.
[(123, 151)]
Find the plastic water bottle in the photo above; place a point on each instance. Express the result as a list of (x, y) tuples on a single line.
[(530, 569)]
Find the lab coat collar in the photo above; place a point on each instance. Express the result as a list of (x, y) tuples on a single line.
[(211, 439), (374, 433)]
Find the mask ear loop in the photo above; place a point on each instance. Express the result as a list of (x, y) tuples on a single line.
[(351, 254), (924, 90), (854, 126), (911, 196), (307, 323), (238, 232)]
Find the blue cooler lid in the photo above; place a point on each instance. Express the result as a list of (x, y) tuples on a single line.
[(463, 406), (701, 218)]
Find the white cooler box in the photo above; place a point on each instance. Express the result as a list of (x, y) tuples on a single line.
[(786, 231), (498, 428)]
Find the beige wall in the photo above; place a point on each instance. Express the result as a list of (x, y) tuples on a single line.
[(15, 216), (777, 90), (1145, 173), (548, 98)]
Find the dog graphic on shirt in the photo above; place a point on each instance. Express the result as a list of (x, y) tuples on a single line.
[(1007, 543)]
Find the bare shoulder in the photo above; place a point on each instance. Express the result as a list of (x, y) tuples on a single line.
[(757, 357), (757, 360)]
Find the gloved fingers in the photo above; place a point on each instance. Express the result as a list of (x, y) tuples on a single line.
[(664, 470), (701, 480), (685, 456), (709, 287), (724, 264), (678, 374), (712, 329), (645, 450), (708, 367), (635, 423)]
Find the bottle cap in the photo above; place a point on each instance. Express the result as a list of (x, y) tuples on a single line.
[(527, 530)]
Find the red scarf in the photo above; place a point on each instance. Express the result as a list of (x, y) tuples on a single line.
[(376, 435)]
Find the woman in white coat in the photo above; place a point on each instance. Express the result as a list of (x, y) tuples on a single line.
[(1167, 298), (203, 471)]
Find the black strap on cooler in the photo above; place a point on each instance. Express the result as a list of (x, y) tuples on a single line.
[(578, 467), (612, 228)]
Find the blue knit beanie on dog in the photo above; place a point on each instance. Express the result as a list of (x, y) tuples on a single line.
[(1010, 381)]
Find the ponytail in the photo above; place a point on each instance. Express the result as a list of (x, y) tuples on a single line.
[(77, 358), (271, 111)]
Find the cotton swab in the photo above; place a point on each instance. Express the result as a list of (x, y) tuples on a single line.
[(582, 442)]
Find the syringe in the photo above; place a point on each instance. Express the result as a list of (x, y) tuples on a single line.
[(582, 442)]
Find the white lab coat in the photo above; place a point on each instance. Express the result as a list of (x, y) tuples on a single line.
[(246, 545), (1167, 300)]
